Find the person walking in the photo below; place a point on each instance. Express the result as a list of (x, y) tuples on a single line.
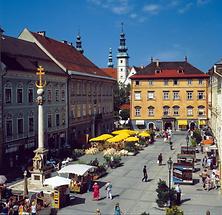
[(145, 176), (178, 193), (96, 193), (33, 208), (204, 175), (117, 210), (160, 159), (204, 161), (108, 188)]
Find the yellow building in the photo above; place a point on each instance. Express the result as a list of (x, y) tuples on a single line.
[(169, 94)]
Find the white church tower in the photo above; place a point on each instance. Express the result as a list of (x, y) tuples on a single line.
[(122, 60)]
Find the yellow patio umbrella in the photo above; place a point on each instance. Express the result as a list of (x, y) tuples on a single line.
[(130, 132), (118, 138), (102, 137), (132, 139), (144, 134)]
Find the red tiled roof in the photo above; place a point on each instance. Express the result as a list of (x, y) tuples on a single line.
[(125, 106), (169, 70), (111, 72), (68, 56)]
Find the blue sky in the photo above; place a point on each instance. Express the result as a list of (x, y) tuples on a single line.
[(164, 29)]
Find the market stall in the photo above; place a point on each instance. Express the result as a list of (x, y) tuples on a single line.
[(182, 173), (186, 158), (189, 150), (79, 175)]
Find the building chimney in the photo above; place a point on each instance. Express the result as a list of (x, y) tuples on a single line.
[(141, 66), (185, 58), (151, 59), (42, 33), (65, 41), (157, 63)]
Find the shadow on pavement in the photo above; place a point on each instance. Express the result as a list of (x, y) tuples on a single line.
[(196, 181), (185, 200), (77, 201), (115, 196)]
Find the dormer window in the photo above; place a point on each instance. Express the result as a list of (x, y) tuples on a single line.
[(180, 70), (157, 71)]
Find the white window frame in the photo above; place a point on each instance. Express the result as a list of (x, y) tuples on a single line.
[(176, 110), (166, 95), (49, 95), (189, 111), (137, 111), (201, 111), (137, 95), (200, 81), (189, 81), (150, 82), (32, 89), (151, 111), (189, 95), (150, 95), (166, 111), (201, 95), (6, 101), (176, 95), (19, 88)]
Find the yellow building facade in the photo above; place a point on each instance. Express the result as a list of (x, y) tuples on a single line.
[(169, 95)]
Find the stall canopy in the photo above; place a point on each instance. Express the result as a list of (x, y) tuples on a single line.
[(208, 141), (132, 139), (182, 122), (102, 137), (144, 134), (57, 181), (118, 138), (129, 132), (78, 169)]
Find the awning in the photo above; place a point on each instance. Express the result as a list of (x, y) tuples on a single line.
[(182, 122), (57, 181), (202, 122), (78, 169), (139, 122), (208, 142)]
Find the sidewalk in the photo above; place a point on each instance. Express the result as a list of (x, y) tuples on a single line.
[(135, 196)]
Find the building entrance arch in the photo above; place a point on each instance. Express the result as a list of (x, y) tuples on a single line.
[(168, 125), (151, 126)]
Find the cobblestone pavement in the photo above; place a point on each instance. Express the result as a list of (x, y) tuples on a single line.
[(136, 196)]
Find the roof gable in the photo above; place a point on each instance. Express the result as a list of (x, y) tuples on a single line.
[(68, 56)]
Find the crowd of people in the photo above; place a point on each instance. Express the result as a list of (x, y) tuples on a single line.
[(14, 207)]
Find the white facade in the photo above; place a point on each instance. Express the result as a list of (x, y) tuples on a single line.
[(215, 107)]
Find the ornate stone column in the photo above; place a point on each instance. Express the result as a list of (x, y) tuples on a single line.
[(39, 170)]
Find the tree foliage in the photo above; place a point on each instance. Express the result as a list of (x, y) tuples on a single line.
[(121, 95), (125, 114)]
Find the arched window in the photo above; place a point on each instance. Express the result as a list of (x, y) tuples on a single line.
[(8, 93), (137, 111), (150, 111), (176, 110), (189, 110), (201, 110), (166, 110)]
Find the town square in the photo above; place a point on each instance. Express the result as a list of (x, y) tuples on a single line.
[(110, 107)]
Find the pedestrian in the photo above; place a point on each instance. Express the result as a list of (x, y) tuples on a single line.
[(213, 180), (160, 159), (89, 182), (33, 208), (204, 161), (204, 175), (209, 161), (171, 145), (145, 176), (108, 188), (98, 212), (207, 212), (178, 193), (117, 210), (208, 183), (96, 191)]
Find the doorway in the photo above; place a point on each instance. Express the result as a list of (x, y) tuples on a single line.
[(168, 125)]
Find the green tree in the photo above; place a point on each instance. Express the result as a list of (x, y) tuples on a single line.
[(174, 211), (125, 114)]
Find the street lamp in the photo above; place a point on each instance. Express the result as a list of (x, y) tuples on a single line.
[(170, 165), (187, 139)]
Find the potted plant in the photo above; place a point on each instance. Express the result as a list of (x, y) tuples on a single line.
[(174, 211)]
